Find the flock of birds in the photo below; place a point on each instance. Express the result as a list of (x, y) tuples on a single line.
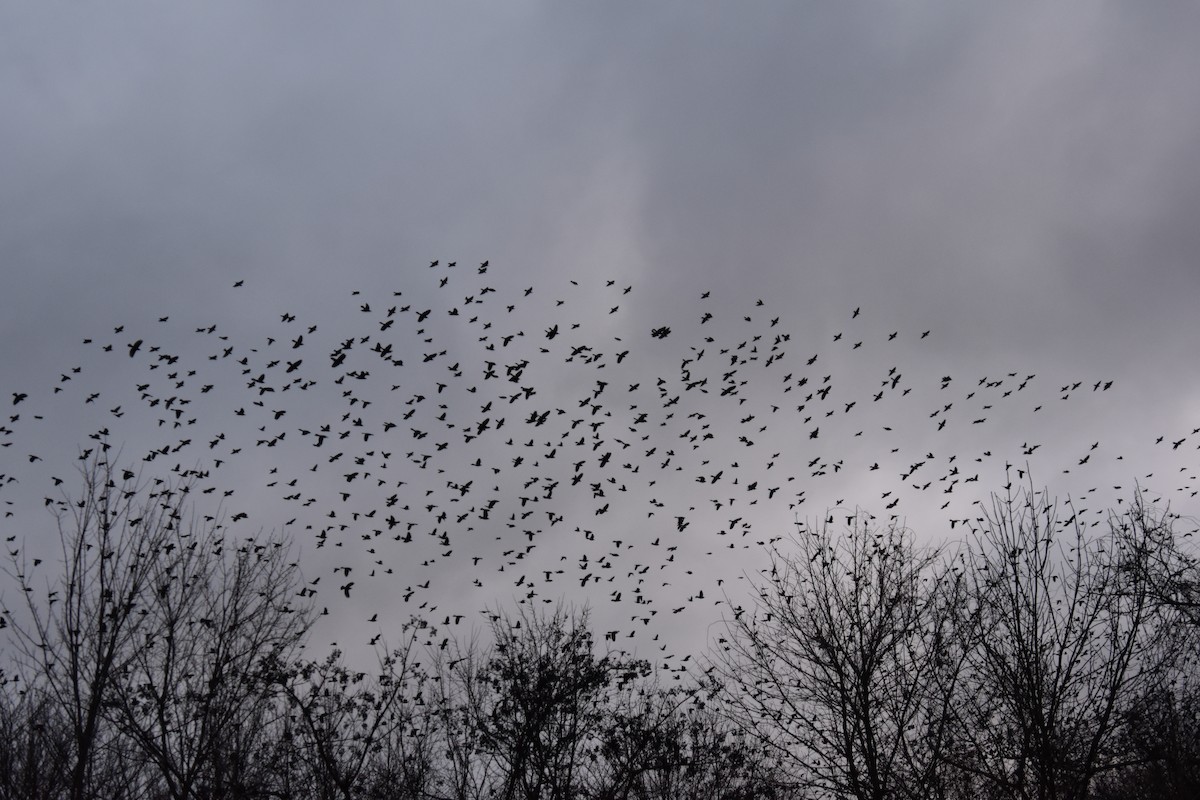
[(459, 443)]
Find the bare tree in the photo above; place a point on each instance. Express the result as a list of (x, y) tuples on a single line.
[(77, 633), (1160, 738), (844, 668), (643, 745), (1167, 565), (542, 715), (1160, 725), (404, 765), (456, 698), (661, 743), (539, 714), (192, 694), (33, 740), (1065, 629), (353, 728)]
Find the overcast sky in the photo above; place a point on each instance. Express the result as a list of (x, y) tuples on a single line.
[(1019, 179)]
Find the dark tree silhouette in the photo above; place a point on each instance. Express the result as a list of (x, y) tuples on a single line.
[(74, 638), (1064, 629), (195, 694), (547, 689), (845, 666), (354, 731)]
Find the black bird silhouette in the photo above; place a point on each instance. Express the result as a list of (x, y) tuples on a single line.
[(641, 439)]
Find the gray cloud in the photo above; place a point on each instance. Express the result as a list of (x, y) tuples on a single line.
[(1017, 178)]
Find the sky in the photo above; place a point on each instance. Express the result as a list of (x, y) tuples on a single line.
[(1017, 179)]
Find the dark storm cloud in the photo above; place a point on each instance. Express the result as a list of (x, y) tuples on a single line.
[(1019, 169), (925, 149), (1018, 178)]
